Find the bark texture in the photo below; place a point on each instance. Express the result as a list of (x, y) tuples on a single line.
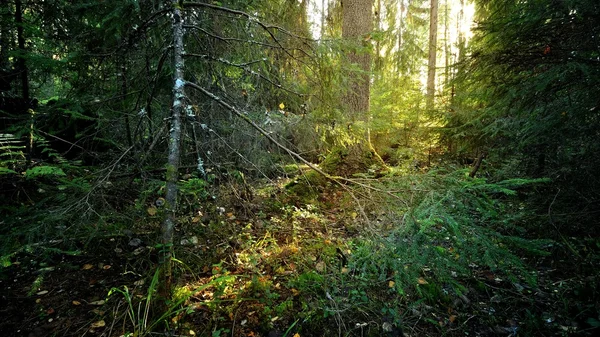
[(433, 29), (174, 152), (357, 23)]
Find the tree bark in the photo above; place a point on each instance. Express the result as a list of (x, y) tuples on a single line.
[(433, 26), (21, 63), (174, 154), (357, 23)]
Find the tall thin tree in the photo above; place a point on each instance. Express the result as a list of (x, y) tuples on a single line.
[(174, 151), (433, 27)]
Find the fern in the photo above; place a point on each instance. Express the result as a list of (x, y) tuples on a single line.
[(42, 171), (453, 226)]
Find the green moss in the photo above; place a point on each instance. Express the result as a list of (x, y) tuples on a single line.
[(306, 187), (291, 169)]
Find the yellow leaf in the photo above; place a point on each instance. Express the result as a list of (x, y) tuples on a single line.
[(297, 335), (281, 106), (345, 270), (422, 281), (151, 210), (88, 266), (320, 266), (98, 324), (391, 284), (76, 303)]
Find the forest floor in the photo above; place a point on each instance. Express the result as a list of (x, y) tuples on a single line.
[(272, 266)]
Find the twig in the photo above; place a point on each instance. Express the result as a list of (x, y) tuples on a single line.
[(337, 180), (556, 227)]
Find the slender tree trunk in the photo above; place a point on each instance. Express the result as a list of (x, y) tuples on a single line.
[(378, 58), (122, 71), (400, 34), (4, 37), (21, 63), (446, 46), (433, 26), (174, 153), (323, 15)]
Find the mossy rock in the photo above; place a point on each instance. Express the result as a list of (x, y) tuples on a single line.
[(307, 187), (347, 161)]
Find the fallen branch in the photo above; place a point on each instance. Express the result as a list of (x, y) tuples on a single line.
[(336, 179)]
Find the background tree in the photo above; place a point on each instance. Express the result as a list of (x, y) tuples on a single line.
[(432, 59)]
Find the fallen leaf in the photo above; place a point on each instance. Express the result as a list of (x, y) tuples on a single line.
[(196, 219), (101, 302), (87, 266), (297, 335), (320, 266), (99, 324), (38, 301), (452, 318), (43, 292), (391, 284), (106, 267), (295, 292), (152, 211), (422, 281), (50, 311), (345, 270), (76, 303)]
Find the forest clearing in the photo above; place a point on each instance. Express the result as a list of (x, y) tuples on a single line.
[(288, 168)]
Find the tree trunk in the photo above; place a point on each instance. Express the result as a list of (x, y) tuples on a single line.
[(21, 63), (323, 15), (357, 23), (378, 58), (400, 34), (433, 26), (174, 154), (446, 46)]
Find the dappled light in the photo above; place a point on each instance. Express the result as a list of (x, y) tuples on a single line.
[(299, 168)]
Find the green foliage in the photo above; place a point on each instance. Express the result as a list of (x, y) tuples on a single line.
[(43, 171), (450, 228), (528, 98)]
